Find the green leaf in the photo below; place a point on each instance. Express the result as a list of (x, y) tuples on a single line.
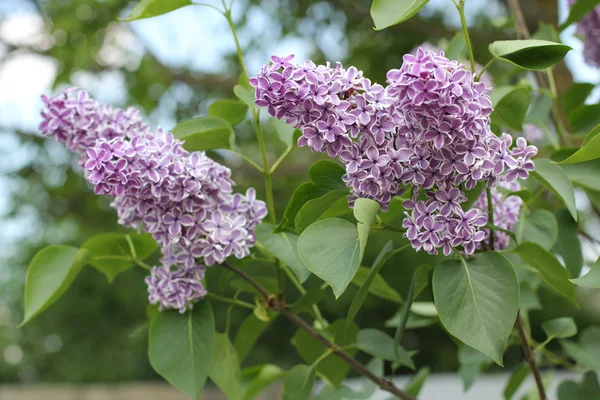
[(516, 379), (50, 273), (549, 268), (472, 362), (181, 347), (386, 13), (590, 151), (232, 111), (587, 351), (284, 246), (104, 247), (205, 133), (303, 193), (584, 174), (556, 180), (473, 194), (529, 54), (313, 209), (546, 32), (559, 328), (299, 382), (584, 118), (248, 334), (539, 227), (326, 174), (306, 302), (153, 8), (511, 108), (285, 131), (539, 110), (467, 294), (591, 279), (413, 387), (266, 375), (330, 249), (587, 390), (381, 345), (456, 47), (244, 94), (568, 245), (365, 211), (225, 368), (578, 11), (379, 287), (575, 95), (592, 134), (310, 349), (365, 287)]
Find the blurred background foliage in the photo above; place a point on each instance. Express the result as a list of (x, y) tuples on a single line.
[(95, 332)]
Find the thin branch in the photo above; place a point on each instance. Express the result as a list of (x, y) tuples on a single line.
[(530, 358), (279, 305)]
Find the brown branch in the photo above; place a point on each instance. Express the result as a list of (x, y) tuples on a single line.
[(530, 358), (279, 305)]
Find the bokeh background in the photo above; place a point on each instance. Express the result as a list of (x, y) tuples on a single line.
[(173, 67)]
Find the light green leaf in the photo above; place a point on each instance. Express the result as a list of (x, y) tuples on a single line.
[(511, 108), (284, 131), (456, 47), (550, 270), (529, 54), (244, 94), (299, 382), (591, 135), (584, 174), (477, 301), (591, 279), (248, 334), (386, 13), (559, 328), (284, 246), (50, 273), (590, 151), (578, 10), (153, 8), (205, 133), (330, 249), (516, 379), (232, 111), (556, 180), (365, 211), (326, 174), (379, 287), (381, 345), (575, 95), (588, 389), (472, 362), (313, 209), (539, 227), (568, 245), (262, 378), (303, 193), (413, 387), (181, 347), (587, 351), (104, 247), (539, 110), (225, 368)]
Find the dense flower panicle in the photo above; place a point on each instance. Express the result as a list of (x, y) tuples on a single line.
[(506, 212), (589, 28), (429, 128), (184, 200)]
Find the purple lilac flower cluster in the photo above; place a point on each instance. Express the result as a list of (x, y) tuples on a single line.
[(506, 212), (429, 128), (184, 200), (589, 28)]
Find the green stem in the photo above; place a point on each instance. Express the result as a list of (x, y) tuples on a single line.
[(323, 356), (280, 159), (488, 193), (249, 160), (550, 138), (302, 291), (137, 262), (461, 11), (564, 140), (233, 302), (480, 73), (209, 6)]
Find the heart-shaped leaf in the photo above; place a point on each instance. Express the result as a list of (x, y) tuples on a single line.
[(232, 111), (511, 108)]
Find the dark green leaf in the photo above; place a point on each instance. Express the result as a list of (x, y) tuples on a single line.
[(575, 96), (413, 387), (472, 362), (549, 268), (225, 368), (381, 345), (299, 382), (386, 13), (284, 246), (578, 10), (379, 287), (467, 294), (587, 351), (50, 273), (262, 379), (511, 108), (153, 8), (587, 390), (307, 301), (584, 118), (516, 379), (105, 249), (539, 227), (556, 180), (330, 249), (205, 133), (248, 334), (326, 174), (473, 194), (232, 111), (303, 193), (560, 328), (181, 347), (568, 245), (591, 279), (313, 209), (529, 54)]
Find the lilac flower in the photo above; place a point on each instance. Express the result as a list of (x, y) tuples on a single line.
[(589, 28), (532, 133), (178, 197)]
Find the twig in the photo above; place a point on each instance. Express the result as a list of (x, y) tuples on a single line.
[(279, 305), (530, 358)]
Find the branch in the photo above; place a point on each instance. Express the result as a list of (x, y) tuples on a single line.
[(530, 358), (279, 305)]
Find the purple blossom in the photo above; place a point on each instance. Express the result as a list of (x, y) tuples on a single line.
[(177, 289), (589, 28)]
